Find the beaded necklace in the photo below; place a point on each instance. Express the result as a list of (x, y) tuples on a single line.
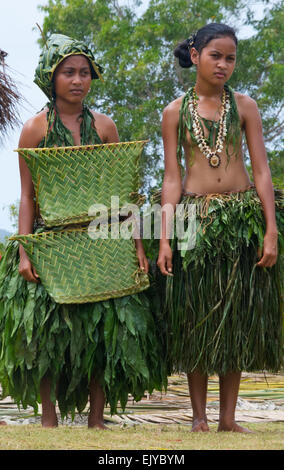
[(213, 156)]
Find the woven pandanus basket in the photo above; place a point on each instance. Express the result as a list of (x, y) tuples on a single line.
[(75, 268), (69, 180)]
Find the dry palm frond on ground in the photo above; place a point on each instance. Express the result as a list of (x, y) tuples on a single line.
[(261, 399)]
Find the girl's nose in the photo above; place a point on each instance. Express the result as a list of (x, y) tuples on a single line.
[(76, 78), (221, 64)]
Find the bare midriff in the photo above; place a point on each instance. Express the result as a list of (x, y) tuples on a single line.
[(200, 178)]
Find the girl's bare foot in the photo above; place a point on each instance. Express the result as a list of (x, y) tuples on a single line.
[(96, 424), (199, 425), (97, 403), (49, 421), (234, 427)]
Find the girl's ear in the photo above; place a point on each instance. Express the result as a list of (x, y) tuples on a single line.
[(194, 54)]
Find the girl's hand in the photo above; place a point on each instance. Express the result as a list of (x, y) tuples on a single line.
[(165, 259), (27, 270), (142, 260), (269, 252)]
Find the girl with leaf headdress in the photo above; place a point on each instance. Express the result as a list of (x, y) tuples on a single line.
[(52, 351)]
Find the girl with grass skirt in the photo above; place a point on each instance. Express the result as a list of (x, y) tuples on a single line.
[(99, 351), (223, 296)]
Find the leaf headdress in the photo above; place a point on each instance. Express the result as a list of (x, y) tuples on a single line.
[(57, 48)]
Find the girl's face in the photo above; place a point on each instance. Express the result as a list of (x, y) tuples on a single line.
[(72, 79), (216, 62)]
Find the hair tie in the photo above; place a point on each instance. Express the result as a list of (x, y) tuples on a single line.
[(191, 40)]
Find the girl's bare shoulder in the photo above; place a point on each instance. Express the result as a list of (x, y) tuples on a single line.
[(34, 130), (105, 127), (246, 105), (102, 119), (174, 105), (172, 110)]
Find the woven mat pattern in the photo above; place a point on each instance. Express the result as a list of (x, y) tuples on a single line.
[(75, 268), (69, 180)]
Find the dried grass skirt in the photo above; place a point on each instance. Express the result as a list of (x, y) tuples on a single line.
[(223, 312)]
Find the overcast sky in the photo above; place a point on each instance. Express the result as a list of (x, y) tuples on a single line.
[(18, 37)]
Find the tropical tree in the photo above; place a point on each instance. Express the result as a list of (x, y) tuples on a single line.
[(141, 75)]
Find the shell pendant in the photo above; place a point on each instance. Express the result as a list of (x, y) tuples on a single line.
[(214, 160)]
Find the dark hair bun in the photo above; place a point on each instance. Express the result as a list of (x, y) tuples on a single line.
[(200, 39), (183, 55)]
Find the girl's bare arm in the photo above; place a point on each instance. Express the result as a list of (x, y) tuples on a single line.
[(262, 179), (172, 183), (31, 135)]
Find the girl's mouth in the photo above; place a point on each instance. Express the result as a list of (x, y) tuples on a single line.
[(76, 92), (220, 75)]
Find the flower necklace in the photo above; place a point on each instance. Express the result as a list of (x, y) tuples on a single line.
[(212, 155)]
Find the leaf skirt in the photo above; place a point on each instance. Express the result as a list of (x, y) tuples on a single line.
[(119, 342), (223, 312)]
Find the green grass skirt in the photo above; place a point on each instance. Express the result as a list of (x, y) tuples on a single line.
[(118, 341), (224, 313)]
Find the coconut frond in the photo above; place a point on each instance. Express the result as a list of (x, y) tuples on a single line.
[(9, 99)]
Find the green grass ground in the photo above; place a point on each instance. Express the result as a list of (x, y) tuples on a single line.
[(267, 436)]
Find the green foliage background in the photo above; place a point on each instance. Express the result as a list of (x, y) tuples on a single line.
[(142, 76)]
